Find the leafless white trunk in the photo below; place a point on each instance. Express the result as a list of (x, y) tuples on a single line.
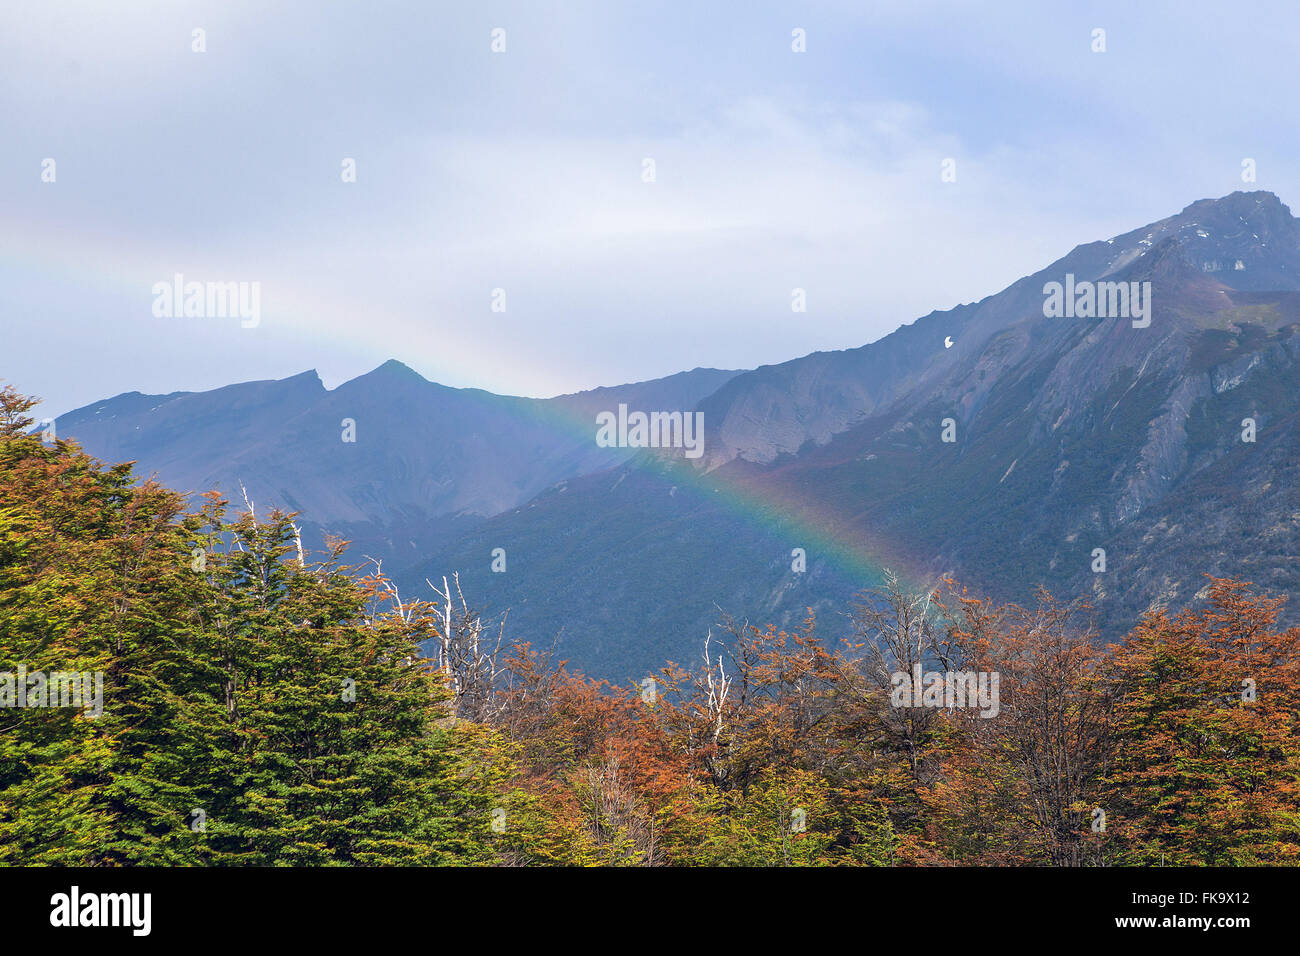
[(468, 654)]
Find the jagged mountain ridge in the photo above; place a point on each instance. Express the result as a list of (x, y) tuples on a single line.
[(1072, 435), (776, 409), (428, 460)]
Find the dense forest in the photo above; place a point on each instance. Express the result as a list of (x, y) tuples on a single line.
[(265, 706)]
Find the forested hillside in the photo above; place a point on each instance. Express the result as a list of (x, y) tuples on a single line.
[(266, 706)]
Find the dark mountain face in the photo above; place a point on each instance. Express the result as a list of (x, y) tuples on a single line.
[(624, 569), (1073, 435), (426, 461), (1113, 426), (1069, 435)]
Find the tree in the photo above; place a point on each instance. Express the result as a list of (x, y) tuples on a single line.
[(1207, 764)]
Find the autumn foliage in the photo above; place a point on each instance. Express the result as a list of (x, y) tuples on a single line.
[(285, 697)]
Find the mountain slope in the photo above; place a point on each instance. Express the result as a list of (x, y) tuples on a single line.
[(427, 460), (1077, 434), (1071, 435)]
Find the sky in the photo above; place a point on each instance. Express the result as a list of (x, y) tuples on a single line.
[(525, 170)]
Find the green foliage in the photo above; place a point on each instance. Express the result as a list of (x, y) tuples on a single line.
[(256, 709), (260, 708)]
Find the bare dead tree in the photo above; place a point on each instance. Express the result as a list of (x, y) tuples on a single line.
[(468, 653), (717, 689), (417, 614), (297, 538)]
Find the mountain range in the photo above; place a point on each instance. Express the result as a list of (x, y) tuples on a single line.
[(1006, 446)]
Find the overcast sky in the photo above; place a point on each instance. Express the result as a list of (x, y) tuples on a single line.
[(523, 171)]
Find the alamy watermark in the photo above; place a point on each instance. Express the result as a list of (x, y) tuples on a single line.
[(84, 689), (208, 300), (652, 430), (1098, 300), (130, 910), (974, 690)]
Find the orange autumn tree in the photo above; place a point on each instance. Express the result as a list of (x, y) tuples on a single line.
[(222, 670), (1019, 788), (598, 759), (1208, 759), (787, 742)]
